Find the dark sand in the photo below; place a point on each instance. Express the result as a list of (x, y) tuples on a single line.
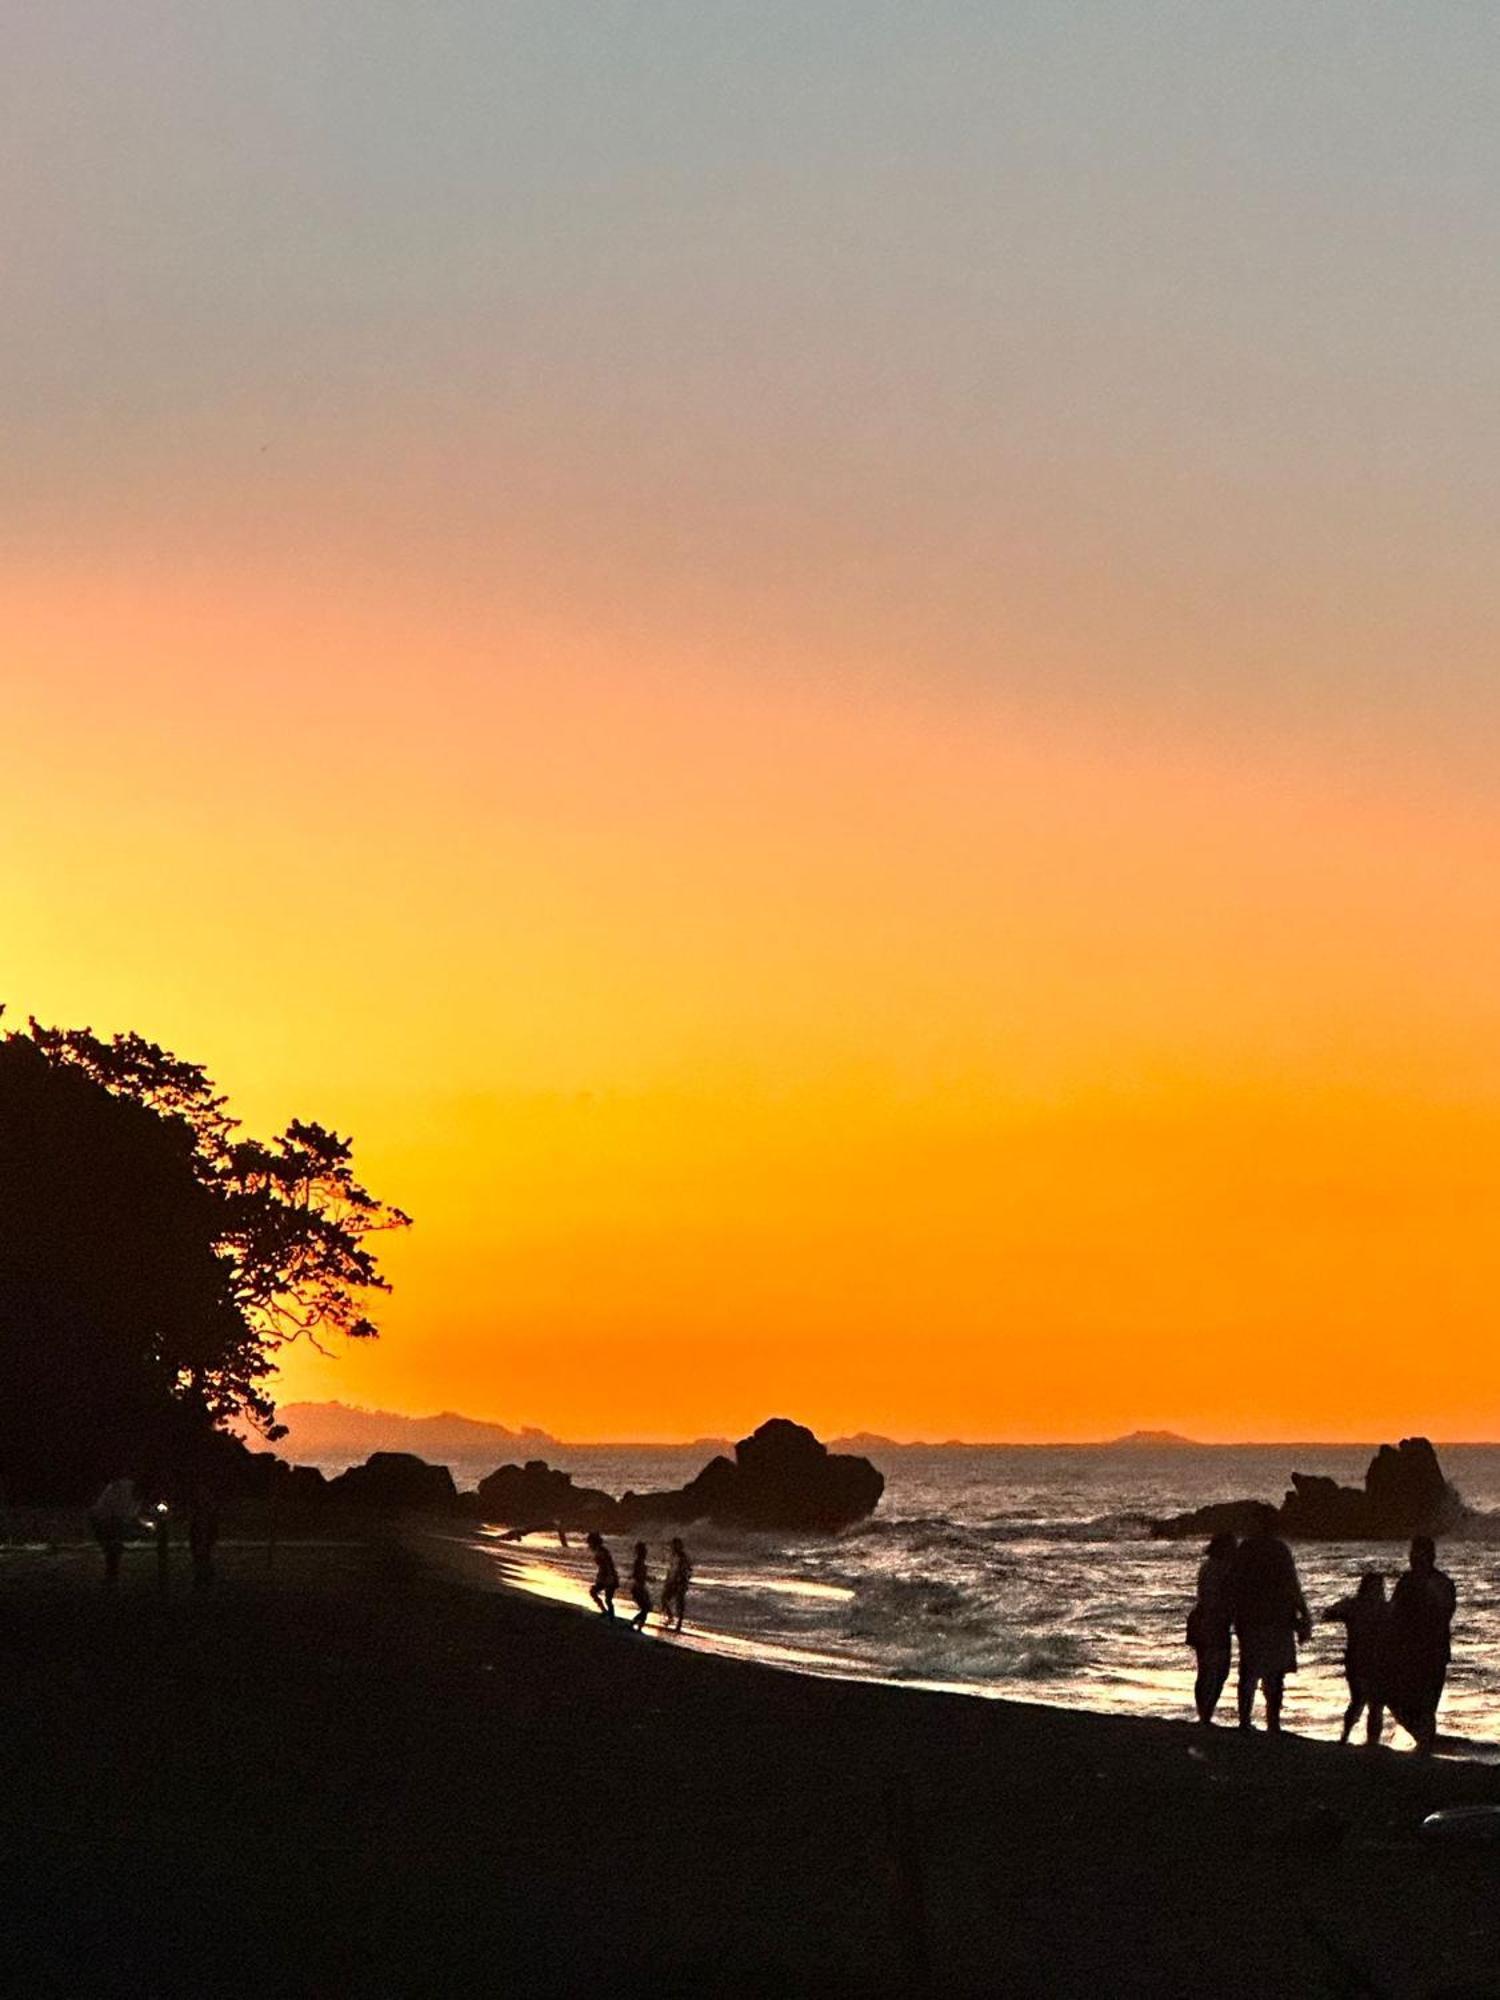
[(359, 1776)]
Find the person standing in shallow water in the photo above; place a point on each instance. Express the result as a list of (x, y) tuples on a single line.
[(1420, 1642), (1210, 1624), (1270, 1616), (1365, 1618), (640, 1589), (606, 1576), (675, 1589)]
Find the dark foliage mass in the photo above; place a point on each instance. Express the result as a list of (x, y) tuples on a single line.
[(152, 1259)]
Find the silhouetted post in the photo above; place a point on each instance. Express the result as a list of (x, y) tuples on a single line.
[(908, 1887), (203, 1535), (271, 1525)]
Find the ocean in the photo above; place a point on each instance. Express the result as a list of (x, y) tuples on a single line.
[(1029, 1572)]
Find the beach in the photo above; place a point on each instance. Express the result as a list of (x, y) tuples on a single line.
[(363, 1772), (1031, 1572)]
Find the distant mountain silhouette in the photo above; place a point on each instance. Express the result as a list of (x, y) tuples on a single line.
[(868, 1443), (1151, 1441), (321, 1433), (325, 1431)]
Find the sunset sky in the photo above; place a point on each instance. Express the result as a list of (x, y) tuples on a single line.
[(831, 670)]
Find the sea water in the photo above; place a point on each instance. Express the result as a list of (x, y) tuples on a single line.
[(1031, 1572)]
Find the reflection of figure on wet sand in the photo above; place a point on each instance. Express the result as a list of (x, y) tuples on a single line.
[(116, 1511), (1365, 1617), (675, 1589), (640, 1589), (1209, 1624), (606, 1576), (1420, 1643), (1270, 1616)]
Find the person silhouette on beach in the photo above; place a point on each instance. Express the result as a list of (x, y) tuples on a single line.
[(1270, 1616), (111, 1518), (640, 1589), (1210, 1624), (1365, 1618), (606, 1577), (1420, 1643), (675, 1588)]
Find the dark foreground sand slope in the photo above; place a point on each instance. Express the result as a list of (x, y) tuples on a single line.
[(360, 1777)]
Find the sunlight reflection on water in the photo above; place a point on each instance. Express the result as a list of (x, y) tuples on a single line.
[(1029, 1574)]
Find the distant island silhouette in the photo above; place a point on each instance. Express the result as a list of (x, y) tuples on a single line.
[(317, 1431), (327, 1431), (331, 1430), (1153, 1441)]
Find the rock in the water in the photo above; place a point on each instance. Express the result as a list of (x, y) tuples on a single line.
[(1220, 1517), (1404, 1494), (394, 1482), (1407, 1493), (536, 1495), (781, 1476)]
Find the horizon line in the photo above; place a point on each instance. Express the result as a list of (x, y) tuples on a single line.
[(1143, 1435)]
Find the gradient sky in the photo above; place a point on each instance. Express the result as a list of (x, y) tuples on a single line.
[(831, 670)]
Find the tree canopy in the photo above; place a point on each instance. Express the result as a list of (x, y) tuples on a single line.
[(153, 1259)]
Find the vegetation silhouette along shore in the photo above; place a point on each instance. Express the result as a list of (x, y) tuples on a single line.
[(153, 1259)]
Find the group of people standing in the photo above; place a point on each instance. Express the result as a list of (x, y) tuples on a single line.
[(674, 1587), (1396, 1649), (119, 1515)]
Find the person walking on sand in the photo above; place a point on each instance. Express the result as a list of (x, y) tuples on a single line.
[(1210, 1625), (1365, 1618), (675, 1588), (640, 1589), (1270, 1616), (606, 1576), (1421, 1643)]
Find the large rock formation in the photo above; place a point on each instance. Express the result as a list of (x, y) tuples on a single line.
[(394, 1482), (264, 1473), (780, 1477), (1404, 1494), (535, 1495)]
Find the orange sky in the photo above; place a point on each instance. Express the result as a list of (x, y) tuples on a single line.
[(907, 1065), (829, 671)]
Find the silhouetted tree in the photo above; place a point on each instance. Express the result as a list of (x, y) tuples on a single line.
[(152, 1260)]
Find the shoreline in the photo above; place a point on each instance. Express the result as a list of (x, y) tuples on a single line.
[(484, 1562), (420, 1785)]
